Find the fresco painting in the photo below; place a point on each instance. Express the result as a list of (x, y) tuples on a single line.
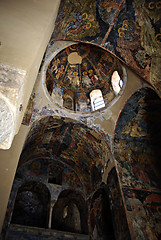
[(100, 216), (69, 144), (38, 170), (136, 144), (77, 70), (70, 212), (58, 184), (63, 161), (129, 29), (76, 20), (117, 206), (144, 211), (137, 139)]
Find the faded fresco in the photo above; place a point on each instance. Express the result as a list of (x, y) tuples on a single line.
[(60, 168), (144, 211), (129, 29), (76, 71), (121, 228), (136, 146), (69, 145), (100, 216), (137, 140), (60, 175)]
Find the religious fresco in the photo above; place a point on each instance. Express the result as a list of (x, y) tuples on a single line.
[(129, 29), (76, 20), (60, 167), (100, 218), (144, 211), (77, 70), (47, 170), (72, 144), (121, 226), (137, 140)]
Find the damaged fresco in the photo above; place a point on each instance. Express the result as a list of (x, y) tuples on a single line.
[(77, 70), (100, 217), (136, 144), (129, 29), (60, 168), (99, 168), (144, 211), (121, 225), (137, 139), (72, 144)]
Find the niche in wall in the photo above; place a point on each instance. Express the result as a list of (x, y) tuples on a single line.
[(70, 213), (32, 205)]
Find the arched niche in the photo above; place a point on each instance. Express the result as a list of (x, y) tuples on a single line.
[(72, 143), (32, 205), (70, 213), (137, 148), (138, 139), (100, 215)]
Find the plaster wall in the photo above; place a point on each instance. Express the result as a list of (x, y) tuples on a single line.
[(25, 29)]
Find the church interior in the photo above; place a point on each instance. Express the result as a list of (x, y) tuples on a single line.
[(80, 114)]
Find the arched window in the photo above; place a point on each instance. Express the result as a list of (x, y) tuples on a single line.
[(116, 82), (69, 100), (97, 100)]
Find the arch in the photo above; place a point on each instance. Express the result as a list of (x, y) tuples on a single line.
[(73, 144), (137, 151), (32, 205), (70, 212), (69, 99), (100, 216), (117, 82), (97, 100), (137, 140)]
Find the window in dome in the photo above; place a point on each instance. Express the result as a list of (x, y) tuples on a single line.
[(69, 99), (97, 100), (117, 82)]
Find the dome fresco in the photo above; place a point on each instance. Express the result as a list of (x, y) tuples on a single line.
[(77, 70)]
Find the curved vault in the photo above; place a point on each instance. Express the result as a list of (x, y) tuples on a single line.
[(138, 139), (75, 71), (67, 144)]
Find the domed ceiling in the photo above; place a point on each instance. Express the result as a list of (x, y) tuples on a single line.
[(76, 71)]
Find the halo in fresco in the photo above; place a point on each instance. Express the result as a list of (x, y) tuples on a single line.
[(77, 70)]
